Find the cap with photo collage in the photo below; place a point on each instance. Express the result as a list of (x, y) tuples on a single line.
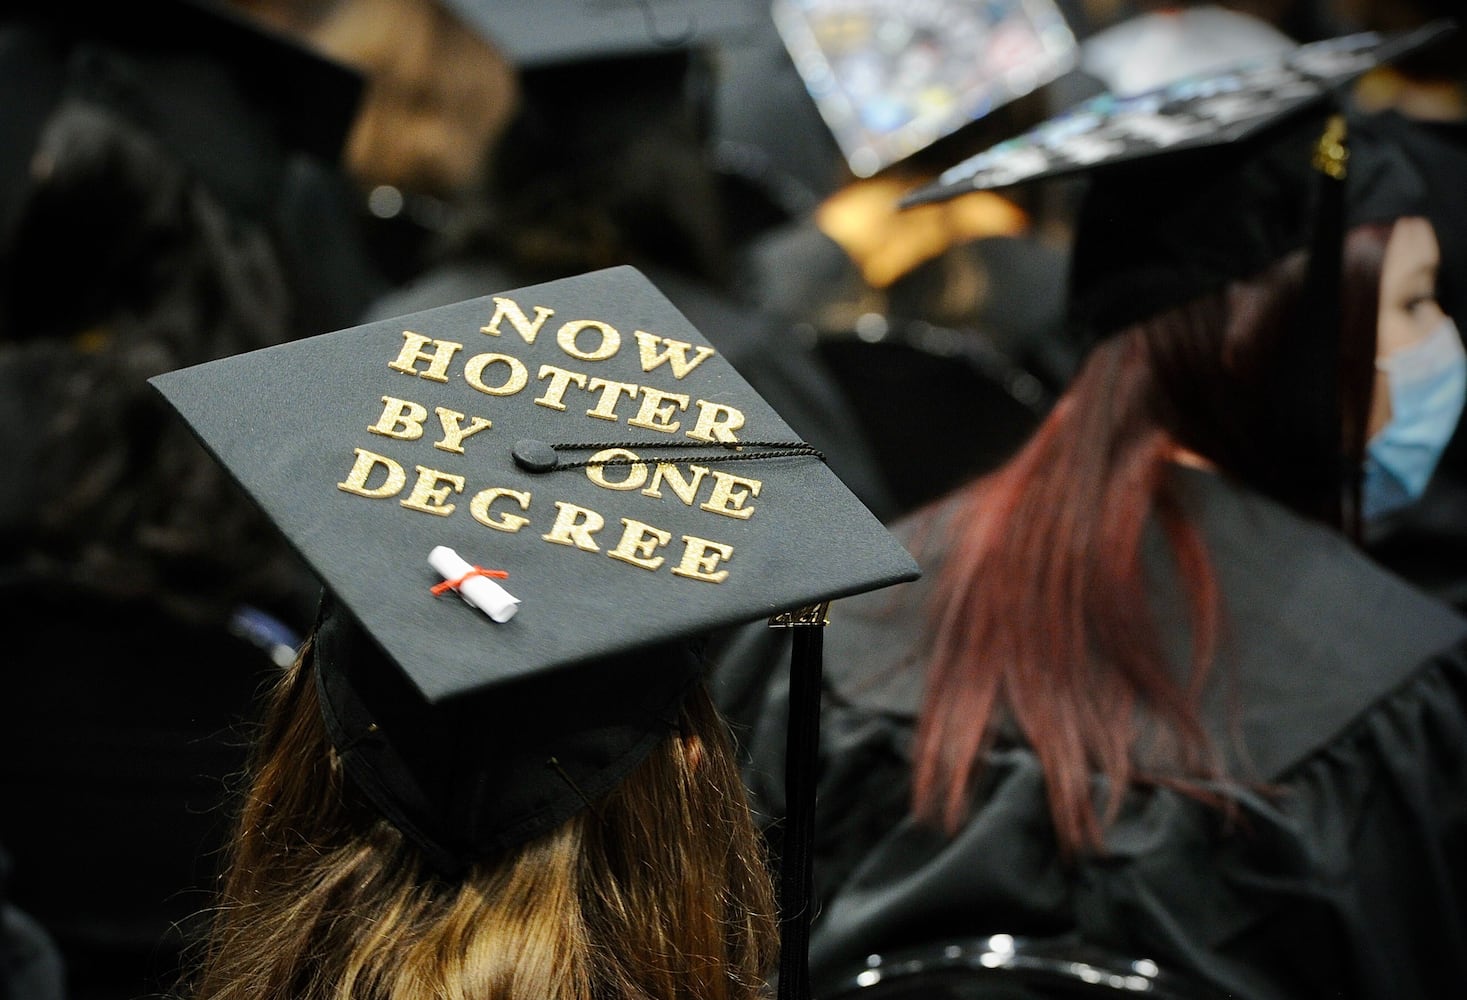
[(892, 77), (519, 505), (1210, 180), (1193, 184), (129, 60)]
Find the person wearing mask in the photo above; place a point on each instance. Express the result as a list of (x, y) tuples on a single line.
[(1151, 696)]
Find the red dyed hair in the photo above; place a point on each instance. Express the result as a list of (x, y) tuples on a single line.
[(1040, 614)]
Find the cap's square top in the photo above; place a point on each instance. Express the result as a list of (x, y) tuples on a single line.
[(459, 426)]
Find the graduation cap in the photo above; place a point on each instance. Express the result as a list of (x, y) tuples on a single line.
[(518, 505), (891, 77), (537, 33), (1210, 179), (1236, 109)]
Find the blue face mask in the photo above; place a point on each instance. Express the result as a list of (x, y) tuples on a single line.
[(1428, 383)]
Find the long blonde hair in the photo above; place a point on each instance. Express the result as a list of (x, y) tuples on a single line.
[(659, 890)]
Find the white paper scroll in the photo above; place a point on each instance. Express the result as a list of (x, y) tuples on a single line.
[(479, 591)]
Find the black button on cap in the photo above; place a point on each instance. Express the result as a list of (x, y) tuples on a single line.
[(534, 456)]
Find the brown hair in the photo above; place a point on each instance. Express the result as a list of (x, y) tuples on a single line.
[(438, 95), (658, 890), (1041, 613)]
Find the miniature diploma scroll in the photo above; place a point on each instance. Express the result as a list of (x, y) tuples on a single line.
[(479, 590)]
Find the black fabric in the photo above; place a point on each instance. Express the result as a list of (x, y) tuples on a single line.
[(1351, 690), (324, 237), (915, 370), (802, 742), (123, 708), (30, 966), (767, 133), (1170, 171), (1222, 112), (122, 729), (557, 32), (1155, 234), (189, 77), (494, 771), (308, 99), (797, 272)]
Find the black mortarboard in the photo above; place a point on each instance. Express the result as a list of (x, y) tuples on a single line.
[(493, 427), (1211, 179), (891, 77), (536, 33), (1206, 179)]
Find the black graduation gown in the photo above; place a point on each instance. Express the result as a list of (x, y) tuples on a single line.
[(122, 726), (1351, 697), (30, 966)]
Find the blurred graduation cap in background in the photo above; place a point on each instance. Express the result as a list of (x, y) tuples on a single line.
[(538, 33), (891, 77), (1210, 179), (519, 505)]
